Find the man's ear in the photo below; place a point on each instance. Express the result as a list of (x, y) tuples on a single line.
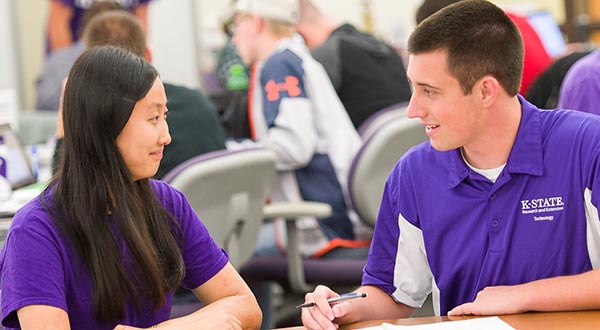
[(148, 55), (489, 87), (258, 23)]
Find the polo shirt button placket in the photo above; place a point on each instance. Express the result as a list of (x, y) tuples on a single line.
[(493, 196), (495, 232)]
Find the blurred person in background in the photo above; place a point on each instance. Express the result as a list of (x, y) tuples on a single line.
[(65, 16), (536, 60), (57, 64), (580, 89), (295, 112), (368, 74), (194, 123)]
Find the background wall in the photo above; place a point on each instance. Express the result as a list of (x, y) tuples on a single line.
[(173, 38), (182, 52), (8, 62), (31, 27)]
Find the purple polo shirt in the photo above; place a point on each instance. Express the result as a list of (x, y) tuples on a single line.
[(39, 267), (445, 228), (580, 89)]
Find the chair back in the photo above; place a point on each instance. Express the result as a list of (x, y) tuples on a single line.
[(376, 158), (380, 118), (228, 189)]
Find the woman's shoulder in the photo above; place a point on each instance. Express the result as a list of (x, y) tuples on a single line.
[(171, 198), (163, 190), (35, 216)]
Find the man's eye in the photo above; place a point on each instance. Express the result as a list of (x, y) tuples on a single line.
[(428, 91)]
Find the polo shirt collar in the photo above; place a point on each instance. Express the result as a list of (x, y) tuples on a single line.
[(526, 155)]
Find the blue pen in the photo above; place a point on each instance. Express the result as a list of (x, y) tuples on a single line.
[(342, 297)]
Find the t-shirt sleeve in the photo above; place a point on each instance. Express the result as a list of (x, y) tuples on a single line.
[(202, 256), (397, 261), (32, 273)]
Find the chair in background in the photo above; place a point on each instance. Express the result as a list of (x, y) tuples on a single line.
[(387, 141), (228, 189), (391, 135), (381, 117)]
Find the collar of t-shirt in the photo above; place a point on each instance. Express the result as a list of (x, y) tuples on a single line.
[(491, 174), (526, 155)]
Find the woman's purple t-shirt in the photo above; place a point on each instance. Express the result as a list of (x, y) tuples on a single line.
[(39, 268)]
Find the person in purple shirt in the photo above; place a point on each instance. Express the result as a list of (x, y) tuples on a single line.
[(104, 247), (498, 212), (65, 16), (580, 90)]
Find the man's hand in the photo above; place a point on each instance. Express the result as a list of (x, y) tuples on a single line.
[(323, 315), (493, 300)]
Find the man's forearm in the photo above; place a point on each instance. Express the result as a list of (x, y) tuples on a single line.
[(575, 292)]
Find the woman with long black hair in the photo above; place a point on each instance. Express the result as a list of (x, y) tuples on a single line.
[(104, 247)]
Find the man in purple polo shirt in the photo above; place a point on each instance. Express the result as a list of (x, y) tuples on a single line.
[(581, 88), (498, 212)]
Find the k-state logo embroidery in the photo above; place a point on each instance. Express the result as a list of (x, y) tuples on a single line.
[(542, 205), (290, 85)]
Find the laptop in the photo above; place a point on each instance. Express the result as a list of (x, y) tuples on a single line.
[(548, 30), (15, 166)]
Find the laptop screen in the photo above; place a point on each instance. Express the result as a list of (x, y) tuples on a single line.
[(14, 163), (546, 27)]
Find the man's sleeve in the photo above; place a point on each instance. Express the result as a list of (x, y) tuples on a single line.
[(591, 169), (397, 261)]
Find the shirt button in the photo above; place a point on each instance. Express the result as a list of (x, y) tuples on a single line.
[(495, 223), (493, 196)]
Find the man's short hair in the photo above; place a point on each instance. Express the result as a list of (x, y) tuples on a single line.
[(430, 7), (479, 38), (118, 28)]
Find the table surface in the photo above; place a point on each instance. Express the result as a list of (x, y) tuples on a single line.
[(581, 320)]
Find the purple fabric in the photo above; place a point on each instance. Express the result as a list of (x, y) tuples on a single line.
[(2, 167), (580, 90), (80, 6), (530, 224), (39, 267)]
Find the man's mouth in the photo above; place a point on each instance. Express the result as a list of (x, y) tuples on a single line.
[(430, 128)]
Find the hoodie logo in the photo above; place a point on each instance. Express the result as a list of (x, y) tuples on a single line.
[(290, 86)]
